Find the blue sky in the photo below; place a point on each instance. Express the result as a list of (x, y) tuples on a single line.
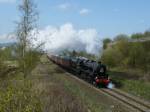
[(108, 17)]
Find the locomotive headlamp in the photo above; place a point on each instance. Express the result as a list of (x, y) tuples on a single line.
[(102, 70), (96, 77)]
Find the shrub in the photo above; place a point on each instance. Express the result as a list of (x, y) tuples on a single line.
[(29, 61), (18, 98)]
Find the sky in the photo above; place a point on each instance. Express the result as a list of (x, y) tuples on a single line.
[(108, 17)]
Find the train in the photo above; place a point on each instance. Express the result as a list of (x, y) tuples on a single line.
[(90, 70)]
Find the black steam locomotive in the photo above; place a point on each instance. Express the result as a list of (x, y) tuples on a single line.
[(92, 71)]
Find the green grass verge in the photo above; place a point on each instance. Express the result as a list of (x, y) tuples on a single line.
[(131, 84), (139, 88)]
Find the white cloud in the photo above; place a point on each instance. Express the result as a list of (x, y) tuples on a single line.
[(7, 38), (4, 36), (7, 1), (64, 6), (67, 37), (84, 11)]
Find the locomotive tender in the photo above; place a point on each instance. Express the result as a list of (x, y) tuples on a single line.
[(92, 71)]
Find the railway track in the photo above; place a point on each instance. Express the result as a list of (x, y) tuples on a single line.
[(129, 100), (132, 102)]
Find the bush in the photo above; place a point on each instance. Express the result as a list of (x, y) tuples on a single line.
[(126, 54), (2, 66), (29, 61), (115, 55), (106, 42), (18, 98), (109, 57)]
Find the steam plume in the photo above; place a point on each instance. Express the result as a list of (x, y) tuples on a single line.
[(67, 37)]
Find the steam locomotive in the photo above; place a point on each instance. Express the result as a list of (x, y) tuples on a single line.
[(92, 71)]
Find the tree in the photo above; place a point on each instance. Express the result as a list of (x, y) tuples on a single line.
[(106, 41), (121, 37), (25, 27), (147, 33), (111, 57), (137, 56), (137, 36)]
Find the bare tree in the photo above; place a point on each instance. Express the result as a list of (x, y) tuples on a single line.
[(25, 27)]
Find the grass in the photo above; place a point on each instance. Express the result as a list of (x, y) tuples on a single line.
[(39, 92), (16, 96), (52, 93), (132, 83), (85, 94), (50, 89), (139, 88)]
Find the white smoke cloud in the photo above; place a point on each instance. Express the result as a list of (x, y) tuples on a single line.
[(67, 37)]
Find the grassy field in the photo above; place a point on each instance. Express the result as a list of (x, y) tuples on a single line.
[(133, 83), (50, 89), (39, 92), (16, 95)]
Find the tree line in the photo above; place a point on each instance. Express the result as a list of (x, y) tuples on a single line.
[(122, 53)]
